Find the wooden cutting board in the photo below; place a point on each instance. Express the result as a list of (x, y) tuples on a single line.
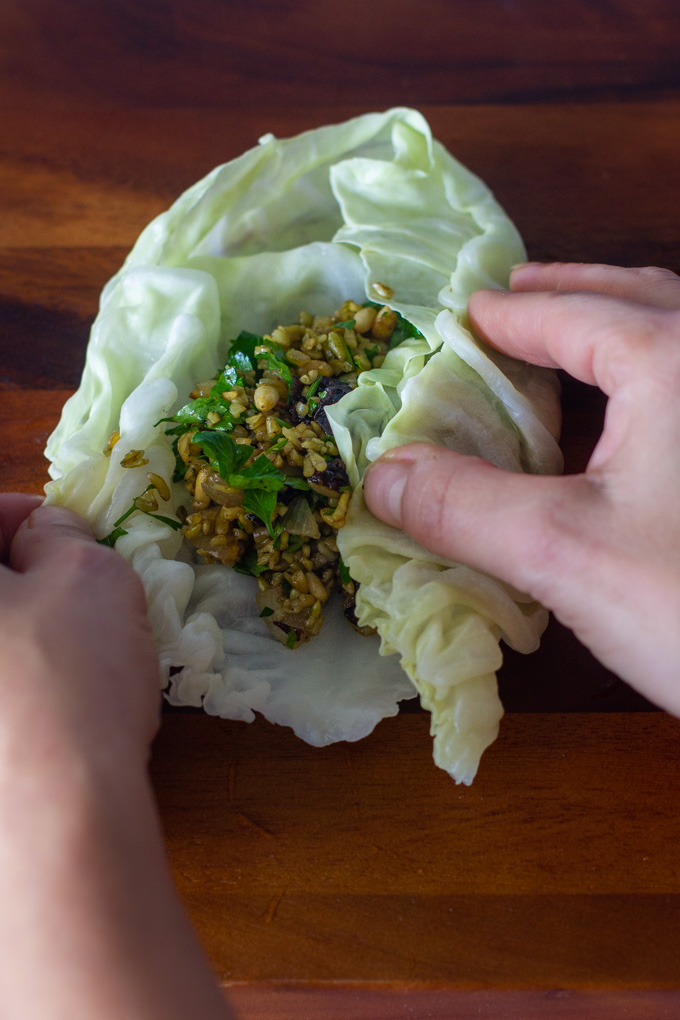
[(364, 865), (358, 880)]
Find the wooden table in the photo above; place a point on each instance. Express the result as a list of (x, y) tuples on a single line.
[(359, 880)]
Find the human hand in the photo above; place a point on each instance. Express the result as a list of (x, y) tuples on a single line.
[(600, 549), (78, 665), (87, 900)]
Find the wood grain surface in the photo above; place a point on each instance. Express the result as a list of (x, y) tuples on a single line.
[(283, 53), (364, 864), (359, 880)]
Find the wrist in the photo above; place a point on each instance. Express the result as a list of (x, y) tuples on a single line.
[(52, 770), (87, 898)]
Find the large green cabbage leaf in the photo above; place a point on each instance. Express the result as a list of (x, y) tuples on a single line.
[(358, 210)]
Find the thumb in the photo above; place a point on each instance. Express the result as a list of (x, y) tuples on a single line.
[(44, 534), (517, 527)]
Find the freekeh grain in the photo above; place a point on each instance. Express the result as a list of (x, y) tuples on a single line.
[(273, 405)]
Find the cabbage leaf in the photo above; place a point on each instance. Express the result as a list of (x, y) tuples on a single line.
[(371, 209)]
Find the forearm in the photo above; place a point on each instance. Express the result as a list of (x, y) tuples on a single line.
[(90, 924)]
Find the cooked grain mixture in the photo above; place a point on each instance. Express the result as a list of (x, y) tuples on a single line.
[(257, 454)]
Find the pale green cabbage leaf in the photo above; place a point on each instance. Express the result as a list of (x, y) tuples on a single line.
[(339, 212)]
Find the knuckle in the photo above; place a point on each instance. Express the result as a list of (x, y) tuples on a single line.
[(546, 540), (76, 558), (663, 286), (654, 354), (82, 563), (625, 349), (99, 580), (657, 275), (562, 539)]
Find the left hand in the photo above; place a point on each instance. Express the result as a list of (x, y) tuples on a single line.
[(78, 665)]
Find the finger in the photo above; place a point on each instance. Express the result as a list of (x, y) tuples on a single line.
[(517, 527), (601, 340), (45, 534), (14, 508), (648, 285), (60, 543)]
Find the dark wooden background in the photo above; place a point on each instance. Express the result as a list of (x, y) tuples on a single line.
[(359, 881)]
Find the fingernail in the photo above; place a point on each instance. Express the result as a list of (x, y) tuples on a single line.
[(404, 454), (384, 485), (57, 516), (524, 265), (483, 295)]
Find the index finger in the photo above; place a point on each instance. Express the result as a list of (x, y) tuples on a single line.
[(647, 285), (49, 531), (597, 339)]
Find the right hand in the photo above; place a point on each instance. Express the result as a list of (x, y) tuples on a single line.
[(601, 549)]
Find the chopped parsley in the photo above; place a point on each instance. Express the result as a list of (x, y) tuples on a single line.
[(248, 565), (260, 481), (343, 572), (118, 532)]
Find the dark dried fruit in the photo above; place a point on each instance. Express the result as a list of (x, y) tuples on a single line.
[(334, 477), (349, 610), (330, 391)]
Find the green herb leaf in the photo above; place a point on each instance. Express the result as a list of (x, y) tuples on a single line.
[(275, 362), (175, 525), (196, 413), (117, 532), (225, 456), (131, 509), (180, 467), (291, 639), (267, 611), (112, 537), (241, 355), (296, 482), (260, 481), (229, 378), (262, 503), (403, 331), (261, 474), (344, 573), (349, 324), (276, 532), (248, 565), (314, 387)]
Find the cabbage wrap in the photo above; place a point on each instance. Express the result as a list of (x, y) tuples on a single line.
[(371, 209)]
